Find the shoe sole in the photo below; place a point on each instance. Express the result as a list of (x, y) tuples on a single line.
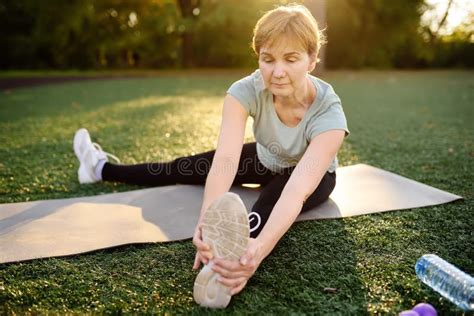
[(82, 173), (225, 229), (78, 136)]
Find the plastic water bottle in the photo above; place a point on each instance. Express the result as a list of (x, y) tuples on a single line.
[(446, 279)]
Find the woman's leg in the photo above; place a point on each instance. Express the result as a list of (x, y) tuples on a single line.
[(187, 170), (272, 191)]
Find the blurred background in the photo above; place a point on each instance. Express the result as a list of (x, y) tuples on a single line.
[(177, 34)]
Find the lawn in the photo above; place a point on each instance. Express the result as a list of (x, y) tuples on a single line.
[(416, 124)]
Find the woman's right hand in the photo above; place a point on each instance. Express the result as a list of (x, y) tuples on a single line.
[(203, 253)]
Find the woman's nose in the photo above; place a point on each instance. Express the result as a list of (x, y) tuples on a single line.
[(279, 71)]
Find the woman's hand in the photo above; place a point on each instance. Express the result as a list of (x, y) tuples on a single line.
[(236, 274), (203, 253)]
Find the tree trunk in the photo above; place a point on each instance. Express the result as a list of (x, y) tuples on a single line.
[(187, 49), (318, 9)]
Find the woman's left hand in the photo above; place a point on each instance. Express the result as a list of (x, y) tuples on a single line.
[(235, 274)]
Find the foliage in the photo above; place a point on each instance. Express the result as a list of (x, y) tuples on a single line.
[(373, 33), (97, 34), (90, 34)]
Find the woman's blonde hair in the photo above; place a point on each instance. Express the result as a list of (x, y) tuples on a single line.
[(295, 22)]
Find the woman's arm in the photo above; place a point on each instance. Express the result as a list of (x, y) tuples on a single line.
[(302, 183), (224, 167), (229, 148)]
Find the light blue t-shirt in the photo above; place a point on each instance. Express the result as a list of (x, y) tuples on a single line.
[(280, 146)]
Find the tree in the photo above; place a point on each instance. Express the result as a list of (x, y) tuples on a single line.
[(373, 33), (318, 9), (189, 11)]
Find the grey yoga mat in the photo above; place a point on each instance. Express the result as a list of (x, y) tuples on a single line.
[(62, 227)]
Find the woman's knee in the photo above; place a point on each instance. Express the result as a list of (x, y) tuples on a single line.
[(322, 192)]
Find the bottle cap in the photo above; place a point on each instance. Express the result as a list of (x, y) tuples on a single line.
[(425, 309), (422, 309)]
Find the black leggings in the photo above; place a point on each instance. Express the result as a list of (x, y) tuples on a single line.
[(194, 170)]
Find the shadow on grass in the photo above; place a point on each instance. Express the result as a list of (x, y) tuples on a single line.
[(83, 97)]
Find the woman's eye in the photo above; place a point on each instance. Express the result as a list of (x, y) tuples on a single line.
[(291, 60)]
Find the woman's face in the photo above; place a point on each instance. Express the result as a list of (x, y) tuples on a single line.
[(284, 68)]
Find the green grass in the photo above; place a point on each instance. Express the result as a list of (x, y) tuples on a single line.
[(417, 124)]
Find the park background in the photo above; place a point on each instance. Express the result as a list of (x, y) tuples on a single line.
[(403, 70), (168, 34)]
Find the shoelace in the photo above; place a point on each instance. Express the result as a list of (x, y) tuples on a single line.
[(97, 146), (259, 220)]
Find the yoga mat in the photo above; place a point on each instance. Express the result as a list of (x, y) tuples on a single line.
[(52, 228)]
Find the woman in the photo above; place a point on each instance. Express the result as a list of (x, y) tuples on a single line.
[(299, 125)]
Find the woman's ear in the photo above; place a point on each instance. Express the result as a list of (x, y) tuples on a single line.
[(313, 60)]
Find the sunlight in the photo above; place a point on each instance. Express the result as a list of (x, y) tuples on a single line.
[(251, 185), (458, 13)]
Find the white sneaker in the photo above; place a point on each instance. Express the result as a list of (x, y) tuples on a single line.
[(89, 154), (226, 230)]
